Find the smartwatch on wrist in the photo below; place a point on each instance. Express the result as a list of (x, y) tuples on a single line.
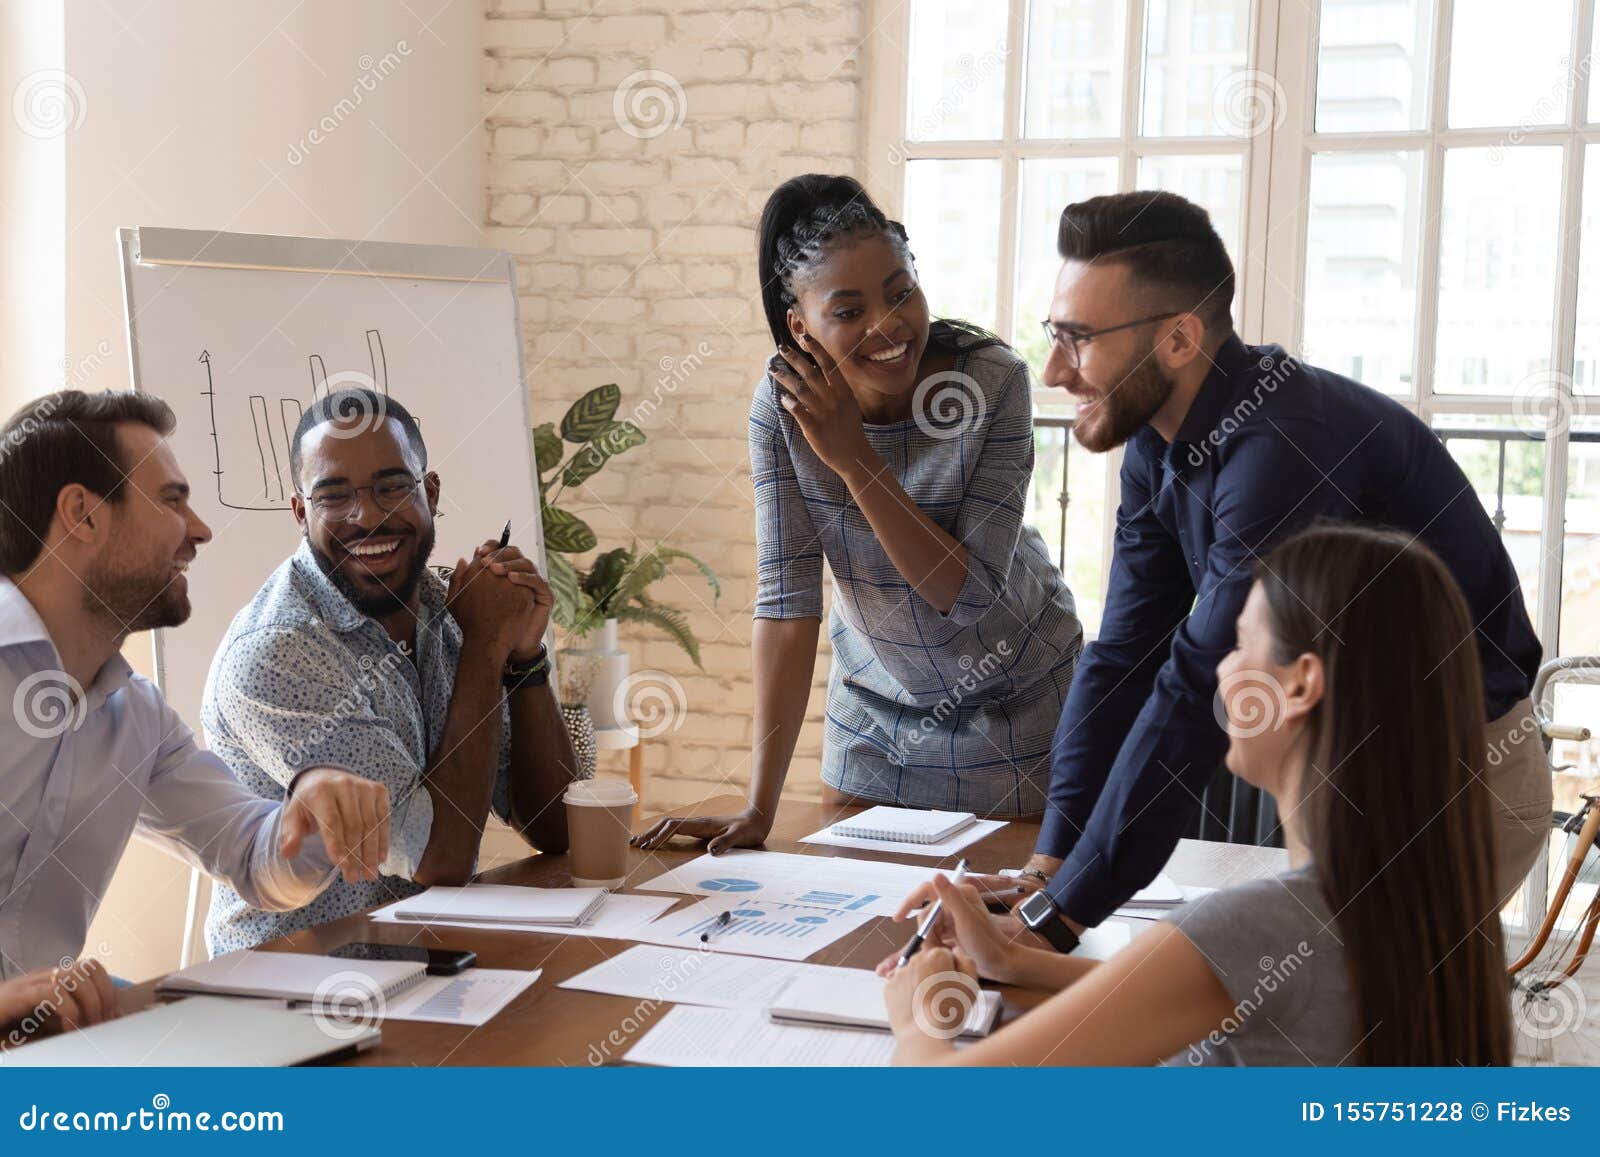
[(534, 673), (1039, 914)]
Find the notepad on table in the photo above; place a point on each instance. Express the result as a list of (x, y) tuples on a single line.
[(904, 825), (853, 998), (504, 904), (294, 977), (1160, 893)]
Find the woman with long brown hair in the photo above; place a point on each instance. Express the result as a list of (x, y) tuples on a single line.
[(1354, 697)]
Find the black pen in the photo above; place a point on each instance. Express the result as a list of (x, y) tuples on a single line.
[(927, 921), (721, 923), (505, 536)]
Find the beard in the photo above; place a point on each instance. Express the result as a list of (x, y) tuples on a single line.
[(138, 597), (389, 598), (1126, 407)]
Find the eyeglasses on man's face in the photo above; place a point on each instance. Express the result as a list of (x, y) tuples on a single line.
[(1068, 341), (338, 501)]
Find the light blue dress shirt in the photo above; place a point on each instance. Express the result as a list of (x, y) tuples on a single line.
[(80, 771), (304, 679)]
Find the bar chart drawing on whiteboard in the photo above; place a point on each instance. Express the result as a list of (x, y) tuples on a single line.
[(251, 432)]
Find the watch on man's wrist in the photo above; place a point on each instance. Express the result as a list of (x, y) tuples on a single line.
[(534, 673), (1039, 913)]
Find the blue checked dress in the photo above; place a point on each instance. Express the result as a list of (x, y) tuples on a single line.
[(926, 709)]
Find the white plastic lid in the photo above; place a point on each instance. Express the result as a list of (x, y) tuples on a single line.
[(600, 793)]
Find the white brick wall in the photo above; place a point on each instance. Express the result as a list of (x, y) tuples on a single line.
[(634, 248)]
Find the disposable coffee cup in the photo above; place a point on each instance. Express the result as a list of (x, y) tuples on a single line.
[(599, 825)]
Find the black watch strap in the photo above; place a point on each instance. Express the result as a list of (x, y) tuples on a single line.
[(534, 673), (1041, 915)]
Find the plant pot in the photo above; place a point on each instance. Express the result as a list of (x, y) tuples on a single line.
[(581, 730), (610, 673)]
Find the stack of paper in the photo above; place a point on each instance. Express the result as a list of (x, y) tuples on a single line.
[(622, 917), (499, 904)]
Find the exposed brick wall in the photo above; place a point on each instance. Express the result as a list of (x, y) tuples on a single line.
[(636, 252)]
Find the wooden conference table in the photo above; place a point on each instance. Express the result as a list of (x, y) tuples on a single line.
[(549, 1025)]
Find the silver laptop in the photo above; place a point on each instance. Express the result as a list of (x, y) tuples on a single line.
[(202, 1031)]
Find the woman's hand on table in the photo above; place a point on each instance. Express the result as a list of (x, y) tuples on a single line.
[(747, 829), (928, 1002)]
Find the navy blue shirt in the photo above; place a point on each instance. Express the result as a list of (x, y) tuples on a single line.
[(1268, 445)]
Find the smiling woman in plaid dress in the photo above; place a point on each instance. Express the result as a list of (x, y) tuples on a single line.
[(899, 449)]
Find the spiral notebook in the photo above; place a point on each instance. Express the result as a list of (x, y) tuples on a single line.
[(295, 977), (853, 998), (904, 825)]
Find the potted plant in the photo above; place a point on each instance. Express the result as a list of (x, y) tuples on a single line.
[(615, 586)]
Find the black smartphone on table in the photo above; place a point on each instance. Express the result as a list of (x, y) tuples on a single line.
[(440, 961)]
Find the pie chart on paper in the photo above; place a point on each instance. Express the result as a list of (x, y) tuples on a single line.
[(730, 884)]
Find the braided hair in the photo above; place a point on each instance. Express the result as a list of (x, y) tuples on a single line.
[(803, 219)]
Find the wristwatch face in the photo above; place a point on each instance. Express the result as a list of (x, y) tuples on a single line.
[(1036, 909)]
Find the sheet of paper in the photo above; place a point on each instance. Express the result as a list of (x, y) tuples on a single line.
[(662, 972), (838, 882), (620, 918), (1190, 892), (723, 1037), (964, 838), (757, 926), (1104, 942), (471, 998)]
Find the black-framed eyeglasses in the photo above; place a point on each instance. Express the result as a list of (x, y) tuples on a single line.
[(338, 501), (1068, 342)]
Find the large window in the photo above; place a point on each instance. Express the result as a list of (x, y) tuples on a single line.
[(1410, 190), (1402, 184)]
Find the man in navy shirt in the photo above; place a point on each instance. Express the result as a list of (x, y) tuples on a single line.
[(1229, 448)]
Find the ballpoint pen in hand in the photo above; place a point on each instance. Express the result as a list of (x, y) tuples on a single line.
[(927, 921)]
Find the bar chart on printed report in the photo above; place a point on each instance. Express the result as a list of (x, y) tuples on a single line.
[(754, 927)]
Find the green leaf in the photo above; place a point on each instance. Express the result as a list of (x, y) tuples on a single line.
[(668, 553), (546, 447), (613, 439), (590, 413), (645, 570), (604, 574), (565, 532), (671, 622), (563, 579)]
